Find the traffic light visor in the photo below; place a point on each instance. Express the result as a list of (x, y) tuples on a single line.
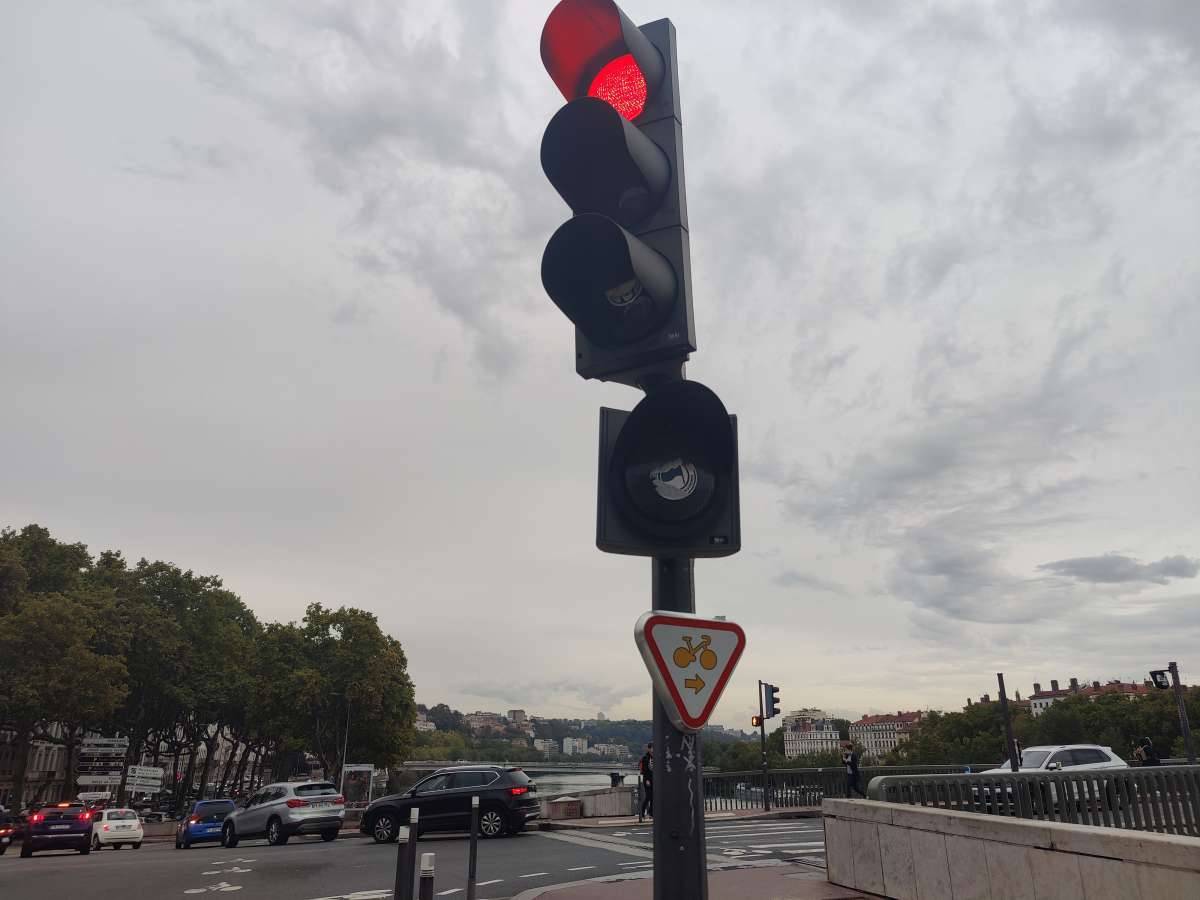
[(610, 284), (591, 48), (673, 457)]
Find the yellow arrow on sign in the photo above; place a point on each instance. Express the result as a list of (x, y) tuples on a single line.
[(696, 683)]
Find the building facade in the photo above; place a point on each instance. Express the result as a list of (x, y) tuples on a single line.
[(614, 751), (545, 744), (517, 716), (573, 746), (807, 731), (879, 735), (1041, 700), (423, 723)]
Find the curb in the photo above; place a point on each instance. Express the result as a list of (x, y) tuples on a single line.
[(576, 825)]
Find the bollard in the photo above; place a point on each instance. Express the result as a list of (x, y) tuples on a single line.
[(474, 848), (426, 888), (406, 859)]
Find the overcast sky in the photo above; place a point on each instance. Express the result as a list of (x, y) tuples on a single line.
[(270, 308)]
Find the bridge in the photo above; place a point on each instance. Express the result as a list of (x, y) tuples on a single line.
[(534, 768)]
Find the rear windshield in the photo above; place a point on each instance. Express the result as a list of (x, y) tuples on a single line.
[(214, 812), (315, 790), (62, 812), (114, 814), (519, 777)]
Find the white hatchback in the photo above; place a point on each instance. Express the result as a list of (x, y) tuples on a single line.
[(116, 827)]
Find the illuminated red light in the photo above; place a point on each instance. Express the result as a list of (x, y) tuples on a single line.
[(518, 791), (622, 85)]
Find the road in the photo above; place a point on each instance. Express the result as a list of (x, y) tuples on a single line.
[(358, 869)]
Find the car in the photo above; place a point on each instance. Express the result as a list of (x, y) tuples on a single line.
[(1053, 757), (202, 822), (58, 826), (281, 810), (116, 827), (507, 801), (7, 829)]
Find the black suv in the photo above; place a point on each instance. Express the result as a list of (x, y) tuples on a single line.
[(507, 800)]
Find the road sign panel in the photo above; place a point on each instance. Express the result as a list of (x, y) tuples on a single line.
[(690, 660)]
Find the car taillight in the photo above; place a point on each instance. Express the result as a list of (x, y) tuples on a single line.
[(339, 801), (36, 817), (105, 826), (192, 820), (296, 802), (518, 791), (86, 815)]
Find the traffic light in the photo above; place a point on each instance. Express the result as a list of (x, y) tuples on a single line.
[(620, 268), (771, 698), (756, 721), (668, 479), (1160, 678)]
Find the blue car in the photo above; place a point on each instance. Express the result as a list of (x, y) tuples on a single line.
[(202, 823)]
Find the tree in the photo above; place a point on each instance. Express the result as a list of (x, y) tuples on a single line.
[(52, 675)]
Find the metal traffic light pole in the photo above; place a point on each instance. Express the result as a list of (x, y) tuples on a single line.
[(680, 852), (762, 739), (1189, 747)]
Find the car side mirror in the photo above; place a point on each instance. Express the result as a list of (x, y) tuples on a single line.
[(1054, 766)]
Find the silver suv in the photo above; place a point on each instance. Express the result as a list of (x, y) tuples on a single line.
[(280, 810)]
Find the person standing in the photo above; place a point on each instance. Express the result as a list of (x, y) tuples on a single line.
[(646, 770), (850, 761), (1146, 754)]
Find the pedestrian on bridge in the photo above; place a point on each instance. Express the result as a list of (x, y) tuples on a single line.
[(850, 760), (646, 770)]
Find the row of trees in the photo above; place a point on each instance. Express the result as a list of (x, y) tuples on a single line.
[(977, 733), (178, 663)]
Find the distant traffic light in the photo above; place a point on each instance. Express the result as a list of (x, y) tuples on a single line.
[(771, 698), (620, 269), (668, 480), (756, 721), (1160, 678)]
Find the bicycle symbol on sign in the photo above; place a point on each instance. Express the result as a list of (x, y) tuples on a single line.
[(686, 655)]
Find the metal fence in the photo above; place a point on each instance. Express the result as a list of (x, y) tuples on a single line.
[(796, 787), (1165, 799)]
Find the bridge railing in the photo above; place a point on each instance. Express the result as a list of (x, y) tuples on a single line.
[(1165, 799), (795, 787)]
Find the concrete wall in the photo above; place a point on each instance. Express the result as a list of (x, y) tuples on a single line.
[(617, 801), (917, 853)]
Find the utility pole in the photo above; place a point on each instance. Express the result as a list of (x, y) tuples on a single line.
[(1189, 746), (345, 746), (1010, 742)]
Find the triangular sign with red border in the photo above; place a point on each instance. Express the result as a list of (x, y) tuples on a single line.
[(690, 660)]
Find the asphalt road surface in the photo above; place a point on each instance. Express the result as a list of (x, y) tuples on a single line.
[(358, 869)]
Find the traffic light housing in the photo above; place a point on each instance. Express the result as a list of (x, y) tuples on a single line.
[(668, 479), (756, 721), (619, 269), (771, 698), (1160, 678)]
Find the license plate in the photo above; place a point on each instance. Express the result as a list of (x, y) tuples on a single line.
[(59, 827), (212, 829), (320, 803)]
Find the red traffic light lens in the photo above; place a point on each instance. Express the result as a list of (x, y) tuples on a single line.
[(622, 86)]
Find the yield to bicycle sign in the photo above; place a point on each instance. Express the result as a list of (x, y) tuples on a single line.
[(690, 660)]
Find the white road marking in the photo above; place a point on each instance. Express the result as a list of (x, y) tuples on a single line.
[(580, 868), (533, 875), (449, 892), (485, 883), (798, 844), (633, 865)]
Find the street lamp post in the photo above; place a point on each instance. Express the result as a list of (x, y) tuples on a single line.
[(345, 746)]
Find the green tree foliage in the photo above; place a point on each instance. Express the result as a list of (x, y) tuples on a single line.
[(179, 664)]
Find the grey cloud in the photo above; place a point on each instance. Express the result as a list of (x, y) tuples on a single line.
[(792, 578), (1113, 568), (588, 696)]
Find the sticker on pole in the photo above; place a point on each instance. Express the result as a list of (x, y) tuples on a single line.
[(690, 659)]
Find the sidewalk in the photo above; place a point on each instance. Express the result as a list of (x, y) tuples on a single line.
[(788, 812), (795, 882)]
